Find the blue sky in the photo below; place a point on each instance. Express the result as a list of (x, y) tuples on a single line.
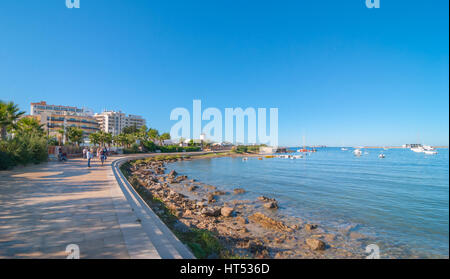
[(340, 74)]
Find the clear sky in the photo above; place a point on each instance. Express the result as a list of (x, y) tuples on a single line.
[(340, 74)]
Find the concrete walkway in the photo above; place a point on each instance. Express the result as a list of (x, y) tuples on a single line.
[(44, 208)]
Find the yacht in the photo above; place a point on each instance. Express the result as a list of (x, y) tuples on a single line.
[(381, 156), (418, 149), (344, 149), (428, 148), (430, 152), (357, 152)]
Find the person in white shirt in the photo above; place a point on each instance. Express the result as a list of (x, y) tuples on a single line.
[(89, 156)]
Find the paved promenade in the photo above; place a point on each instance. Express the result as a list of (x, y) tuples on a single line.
[(44, 208)]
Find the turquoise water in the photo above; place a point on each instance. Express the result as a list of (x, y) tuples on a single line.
[(402, 201)]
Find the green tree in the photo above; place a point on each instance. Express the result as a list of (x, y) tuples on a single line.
[(9, 114), (107, 138), (165, 136), (62, 135), (29, 126), (130, 130), (52, 141), (142, 134), (129, 139), (75, 135), (94, 138), (101, 138), (119, 140), (153, 134)]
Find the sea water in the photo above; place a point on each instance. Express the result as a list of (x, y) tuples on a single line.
[(402, 201)]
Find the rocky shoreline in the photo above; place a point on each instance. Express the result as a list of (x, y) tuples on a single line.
[(244, 228)]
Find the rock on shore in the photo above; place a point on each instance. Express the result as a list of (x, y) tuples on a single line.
[(315, 244), (238, 191), (226, 211), (310, 227), (268, 222)]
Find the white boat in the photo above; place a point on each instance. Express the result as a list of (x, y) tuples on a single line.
[(381, 156), (430, 152), (283, 156), (244, 159), (344, 149), (357, 152), (418, 149), (428, 148)]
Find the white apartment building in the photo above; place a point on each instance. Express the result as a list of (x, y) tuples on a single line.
[(114, 121)]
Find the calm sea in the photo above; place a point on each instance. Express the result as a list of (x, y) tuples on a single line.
[(402, 201)]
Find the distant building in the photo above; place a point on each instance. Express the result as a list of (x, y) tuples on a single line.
[(168, 142), (56, 117), (225, 146), (115, 121)]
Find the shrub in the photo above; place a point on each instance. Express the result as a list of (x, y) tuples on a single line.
[(170, 149), (247, 149), (23, 150), (150, 146), (134, 149), (6, 160), (191, 148), (52, 142)]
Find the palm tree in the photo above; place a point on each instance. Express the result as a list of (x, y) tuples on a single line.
[(153, 134), (75, 135), (129, 139), (165, 136), (108, 139), (62, 135), (101, 138), (29, 126), (94, 138), (9, 114), (142, 134), (118, 140)]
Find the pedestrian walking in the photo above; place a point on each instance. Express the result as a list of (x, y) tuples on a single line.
[(89, 156), (102, 156), (105, 153)]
